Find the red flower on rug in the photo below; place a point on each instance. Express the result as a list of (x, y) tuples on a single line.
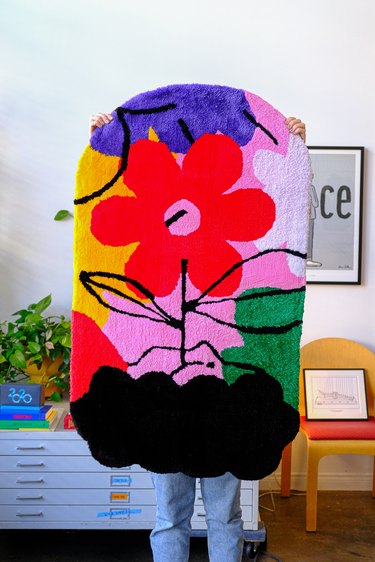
[(184, 213)]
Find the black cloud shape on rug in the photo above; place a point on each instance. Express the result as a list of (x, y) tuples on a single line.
[(203, 428)]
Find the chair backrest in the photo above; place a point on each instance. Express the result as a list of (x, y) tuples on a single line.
[(332, 353)]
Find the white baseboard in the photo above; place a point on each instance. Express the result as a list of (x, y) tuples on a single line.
[(327, 481)]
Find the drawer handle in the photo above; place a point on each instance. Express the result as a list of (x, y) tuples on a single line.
[(34, 448), (29, 498), (39, 481), (201, 515), (24, 464), (199, 498), (39, 514)]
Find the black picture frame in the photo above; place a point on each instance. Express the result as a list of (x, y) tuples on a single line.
[(335, 394), (334, 254)]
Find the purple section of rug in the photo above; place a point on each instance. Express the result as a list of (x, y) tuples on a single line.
[(181, 114)]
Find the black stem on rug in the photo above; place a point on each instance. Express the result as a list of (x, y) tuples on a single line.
[(149, 110), (175, 217), (184, 264), (121, 111), (260, 126), (240, 263), (186, 131), (123, 166)]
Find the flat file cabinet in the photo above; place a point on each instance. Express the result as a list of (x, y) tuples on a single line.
[(48, 480)]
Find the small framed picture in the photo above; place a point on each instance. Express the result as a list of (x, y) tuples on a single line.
[(335, 394), (335, 226)]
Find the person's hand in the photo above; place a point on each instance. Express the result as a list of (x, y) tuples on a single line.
[(296, 127), (98, 120)]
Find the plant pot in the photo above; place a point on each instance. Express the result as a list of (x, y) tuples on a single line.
[(48, 369)]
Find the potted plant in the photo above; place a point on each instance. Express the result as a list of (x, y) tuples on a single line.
[(38, 347)]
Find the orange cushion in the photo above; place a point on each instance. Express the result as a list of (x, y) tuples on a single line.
[(317, 429)]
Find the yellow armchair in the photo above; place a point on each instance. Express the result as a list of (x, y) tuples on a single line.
[(332, 353)]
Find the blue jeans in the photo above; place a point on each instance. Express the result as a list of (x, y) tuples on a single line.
[(175, 495)]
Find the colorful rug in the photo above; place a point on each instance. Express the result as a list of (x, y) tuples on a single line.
[(190, 247)]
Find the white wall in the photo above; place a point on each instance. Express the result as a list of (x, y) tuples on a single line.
[(65, 60)]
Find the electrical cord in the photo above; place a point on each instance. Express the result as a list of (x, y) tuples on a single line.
[(269, 555), (270, 493)]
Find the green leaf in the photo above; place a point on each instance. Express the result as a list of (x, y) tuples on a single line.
[(66, 341), (18, 359), (21, 312), (62, 214), (2, 358), (54, 353), (18, 346), (18, 336), (33, 318), (55, 397), (33, 347), (43, 304), (10, 328)]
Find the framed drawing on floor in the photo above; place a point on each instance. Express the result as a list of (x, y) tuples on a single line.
[(335, 226), (335, 394)]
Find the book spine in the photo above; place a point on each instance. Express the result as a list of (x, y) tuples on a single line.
[(20, 408), (16, 424), (24, 414), (25, 417)]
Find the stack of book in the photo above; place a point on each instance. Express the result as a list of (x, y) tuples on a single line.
[(28, 418)]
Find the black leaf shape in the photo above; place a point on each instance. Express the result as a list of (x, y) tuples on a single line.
[(102, 280)]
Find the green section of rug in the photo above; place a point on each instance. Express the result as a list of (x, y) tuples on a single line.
[(267, 311)]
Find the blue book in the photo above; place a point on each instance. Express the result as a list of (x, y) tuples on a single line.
[(26, 413), (8, 408)]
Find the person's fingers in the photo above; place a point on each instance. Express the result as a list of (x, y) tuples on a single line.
[(106, 117), (98, 120), (297, 127), (291, 121), (301, 132)]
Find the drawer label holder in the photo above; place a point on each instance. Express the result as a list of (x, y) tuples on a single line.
[(119, 513)]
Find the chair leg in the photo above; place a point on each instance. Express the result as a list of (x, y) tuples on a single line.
[(373, 481), (313, 458), (286, 468)]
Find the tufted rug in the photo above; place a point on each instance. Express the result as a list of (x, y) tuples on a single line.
[(190, 247)]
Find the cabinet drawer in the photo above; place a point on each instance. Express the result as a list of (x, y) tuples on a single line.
[(91, 513), (43, 447), (245, 485), (37, 496), (115, 480), (45, 462)]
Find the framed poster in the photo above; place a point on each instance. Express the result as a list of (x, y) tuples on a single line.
[(335, 227), (335, 394)]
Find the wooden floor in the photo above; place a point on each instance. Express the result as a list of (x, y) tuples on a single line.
[(346, 528), (346, 523)]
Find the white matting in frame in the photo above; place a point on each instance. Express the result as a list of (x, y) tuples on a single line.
[(335, 227), (335, 394)]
